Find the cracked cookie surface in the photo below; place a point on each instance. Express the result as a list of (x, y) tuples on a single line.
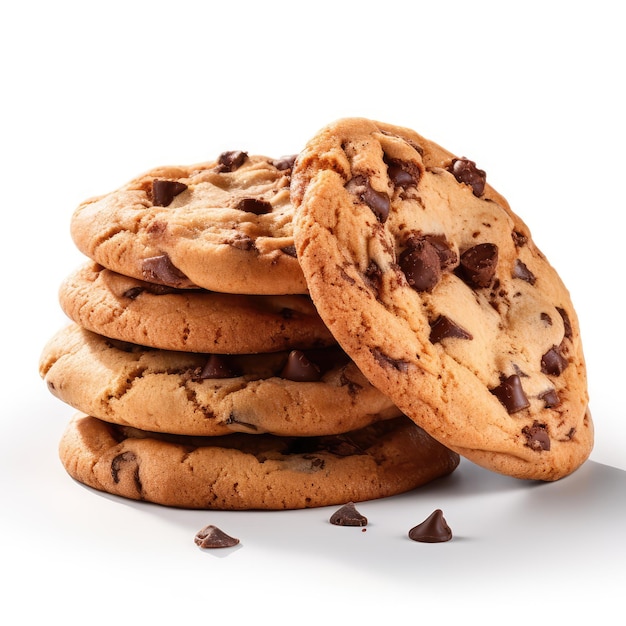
[(242, 472), (436, 290), (224, 225), (198, 320), (296, 393)]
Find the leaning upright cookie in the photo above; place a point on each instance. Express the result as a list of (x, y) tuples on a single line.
[(224, 225), (436, 290)]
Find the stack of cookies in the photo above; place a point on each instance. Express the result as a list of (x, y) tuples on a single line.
[(202, 374), (313, 330)]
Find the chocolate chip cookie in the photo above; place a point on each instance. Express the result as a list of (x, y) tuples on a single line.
[(435, 288), (197, 320), (239, 471), (224, 225), (294, 393)]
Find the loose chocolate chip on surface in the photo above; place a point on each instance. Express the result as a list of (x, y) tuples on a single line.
[(377, 201), (217, 366), (421, 265), (478, 264), (254, 205), (465, 171), (212, 537), (230, 161), (434, 529), (284, 162), (523, 273), (299, 368), (553, 362), (443, 327), (537, 437), (161, 269), (164, 191), (511, 394), (348, 515)]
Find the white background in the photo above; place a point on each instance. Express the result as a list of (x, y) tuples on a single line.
[(94, 94)]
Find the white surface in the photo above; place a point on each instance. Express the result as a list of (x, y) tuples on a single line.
[(94, 96)]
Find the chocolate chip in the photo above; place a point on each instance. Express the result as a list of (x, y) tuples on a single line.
[(290, 251), (348, 515), (160, 269), (218, 366), (164, 191), (230, 161), (212, 537), (299, 368), (377, 201), (126, 460), (285, 162), (478, 264), (511, 394), (387, 361), (434, 529), (421, 265), (402, 174), (447, 256), (566, 322), (553, 362), (523, 273), (373, 276), (550, 398), (254, 205), (443, 327), (537, 437), (519, 239), (465, 171)]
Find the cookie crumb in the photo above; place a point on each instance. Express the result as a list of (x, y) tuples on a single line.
[(348, 515), (434, 529), (212, 537)]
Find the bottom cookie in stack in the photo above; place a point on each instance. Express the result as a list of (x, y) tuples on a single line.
[(199, 428)]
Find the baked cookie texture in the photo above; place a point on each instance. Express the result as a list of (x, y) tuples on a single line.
[(436, 290), (243, 472), (189, 393), (224, 225), (158, 316)]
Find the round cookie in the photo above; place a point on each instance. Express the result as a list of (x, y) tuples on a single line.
[(241, 472), (200, 394), (436, 290), (224, 225), (154, 315)]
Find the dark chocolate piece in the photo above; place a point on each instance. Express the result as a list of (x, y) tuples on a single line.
[(230, 161), (377, 201), (290, 251), (299, 368), (164, 191), (550, 398), (212, 537), (566, 322), (511, 394), (126, 461), (160, 269), (478, 264), (553, 362), (434, 529), (217, 366), (254, 205), (537, 437), (348, 515), (465, 171), (285, 162), (523, 273), (443, 327), (386, 361), (421, 265), (402, 174)]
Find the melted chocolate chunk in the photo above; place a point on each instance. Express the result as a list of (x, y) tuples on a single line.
[(217, 366), (553, 362), (254, 205), (421, 265), (152, 288), (443, 328), (212, 537), (348, 515), (537, 437), (285, 162), (465, 171), (434, 529), (126, 460), (230, 161), (511, 394), (478, 264), (164, 191), (160, 269), (523, 273), (299, 368), (402, 174), (377, 201)]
